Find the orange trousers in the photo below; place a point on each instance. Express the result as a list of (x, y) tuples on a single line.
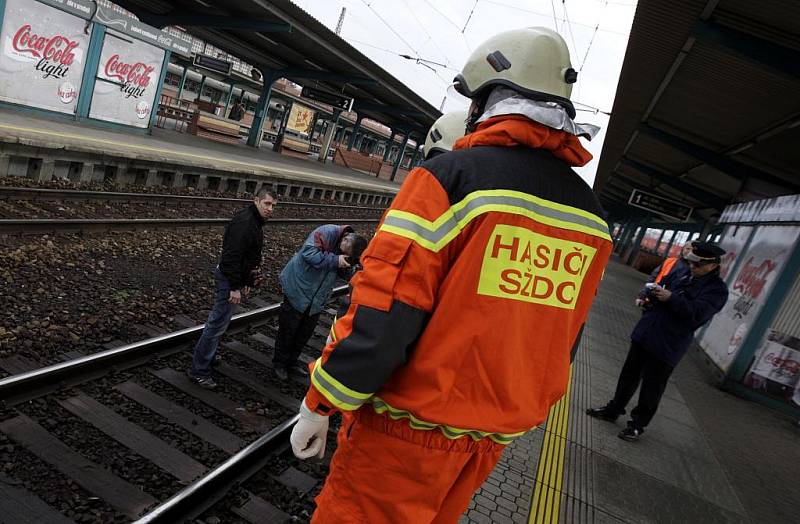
[(384, 472)]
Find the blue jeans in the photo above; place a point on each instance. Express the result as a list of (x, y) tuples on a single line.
[(217, 323)]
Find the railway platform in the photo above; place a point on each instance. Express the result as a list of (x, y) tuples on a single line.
[(708, 456), (42, 148)]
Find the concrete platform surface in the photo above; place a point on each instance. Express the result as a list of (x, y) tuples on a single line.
[(170, 147), (706, 457)]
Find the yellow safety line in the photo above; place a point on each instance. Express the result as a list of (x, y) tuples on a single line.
[(188, 155), (546, 501)]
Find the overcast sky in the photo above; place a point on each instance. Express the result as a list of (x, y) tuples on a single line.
[(445, 32)]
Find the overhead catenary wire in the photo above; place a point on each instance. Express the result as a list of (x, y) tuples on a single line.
[(430, 37), (555, 19), (398, 35), (442, 15), (569, 27), (469, 17), (547, 15)]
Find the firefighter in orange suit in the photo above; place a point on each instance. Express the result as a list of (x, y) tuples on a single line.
[(474, 290)]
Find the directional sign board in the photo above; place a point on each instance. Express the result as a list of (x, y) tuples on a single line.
[(660, 205), (338, 101), (212, 64)]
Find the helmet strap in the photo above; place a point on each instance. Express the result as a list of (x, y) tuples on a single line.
[(476, 110)]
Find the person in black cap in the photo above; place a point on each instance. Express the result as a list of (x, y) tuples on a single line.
[(680, 304)]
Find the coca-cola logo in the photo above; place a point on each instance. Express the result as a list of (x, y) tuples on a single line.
[(137, 73), (142, 110), (752, 278), (67, 92), (57, 48)]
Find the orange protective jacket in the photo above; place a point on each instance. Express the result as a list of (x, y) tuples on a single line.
[(474, 289)]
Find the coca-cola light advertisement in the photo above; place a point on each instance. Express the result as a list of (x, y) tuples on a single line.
[(43, 56), (127, 81), (749, 287)]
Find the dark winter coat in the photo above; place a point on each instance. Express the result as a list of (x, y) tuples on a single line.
[(241, 247), (667, 328)]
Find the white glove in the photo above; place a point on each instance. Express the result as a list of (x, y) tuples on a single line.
[(310, 434)]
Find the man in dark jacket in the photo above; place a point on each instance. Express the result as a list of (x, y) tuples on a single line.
[(307, 282), (680, 305), (238, 271)]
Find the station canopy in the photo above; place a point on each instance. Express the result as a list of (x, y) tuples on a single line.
[(707, 110), (279, 36)]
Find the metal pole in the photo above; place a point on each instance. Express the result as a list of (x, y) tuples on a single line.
[(389, 145), (157, 99), (228, 101), (326, 142), (400, 155), (183, 81), (254, 137), (356, 128)]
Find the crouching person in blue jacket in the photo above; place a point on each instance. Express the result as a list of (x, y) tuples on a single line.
[(307, 282), (680, 305)]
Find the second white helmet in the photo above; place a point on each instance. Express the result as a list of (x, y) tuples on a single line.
[(444, 132)]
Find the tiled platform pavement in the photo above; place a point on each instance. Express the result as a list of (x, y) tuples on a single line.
[(707, 456)]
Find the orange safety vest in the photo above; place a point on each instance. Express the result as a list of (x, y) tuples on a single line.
[(666, 267), (474, 289)]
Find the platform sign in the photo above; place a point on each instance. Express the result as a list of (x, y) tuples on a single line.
[(127, 81), (338, 101), (43, 56), (660, 205), (212, 64)]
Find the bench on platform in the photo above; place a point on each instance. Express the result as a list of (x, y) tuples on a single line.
[(214, 128)]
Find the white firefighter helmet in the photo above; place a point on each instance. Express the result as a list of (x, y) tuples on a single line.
[(444, 132), (533, 61)]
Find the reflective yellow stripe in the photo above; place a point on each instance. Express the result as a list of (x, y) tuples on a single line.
[(435, 235), (333, 331), (337, 393), (450, 432)]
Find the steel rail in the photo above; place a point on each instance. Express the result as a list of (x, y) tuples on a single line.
[(25, 193), (194, 499), (31, 384), (48, 225)]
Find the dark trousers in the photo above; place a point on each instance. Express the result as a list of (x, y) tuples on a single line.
[(641, 367), (215, 327), (294, 330)]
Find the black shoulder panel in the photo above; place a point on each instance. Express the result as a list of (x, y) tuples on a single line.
[(533, 171)]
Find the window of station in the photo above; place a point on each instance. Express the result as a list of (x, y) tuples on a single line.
[(665, 240), (681, 237), (650, 240), (173, 79)]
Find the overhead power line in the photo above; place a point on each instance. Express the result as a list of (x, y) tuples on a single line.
[(469, 17), (547, 15), (398, 35), (430, 37)]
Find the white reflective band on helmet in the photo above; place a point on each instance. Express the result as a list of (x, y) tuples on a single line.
[(504, 101)]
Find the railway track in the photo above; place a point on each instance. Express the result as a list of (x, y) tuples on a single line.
[(36, 194), (88, 225), (186, 451)]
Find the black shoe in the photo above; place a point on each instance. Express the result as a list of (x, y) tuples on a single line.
[(603, 413), (281, 373), (203, 382), (631, 433), (298, 370)]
